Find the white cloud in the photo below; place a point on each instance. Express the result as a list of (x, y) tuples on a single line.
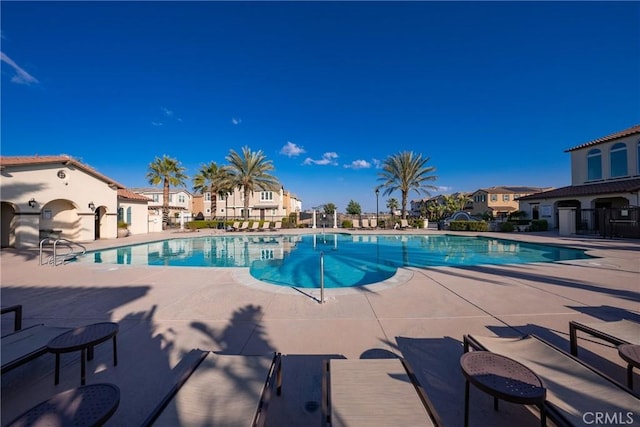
[(358, 164), (376, 163), (21, 76), (236, 121), (444, 188), (327, 159), (291, 149), (167, 112), (157, 123)]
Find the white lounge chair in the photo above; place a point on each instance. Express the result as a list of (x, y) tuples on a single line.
[(207, 393), (244, 226), (365, 223), (356, 224), (277, 226), (24, 345), (374, 392), (404, 224), (265, 226), (373, 223)]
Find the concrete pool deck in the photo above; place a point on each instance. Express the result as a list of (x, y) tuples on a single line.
[(164, 312)]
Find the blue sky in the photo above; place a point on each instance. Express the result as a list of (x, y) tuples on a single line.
[(492, 92)]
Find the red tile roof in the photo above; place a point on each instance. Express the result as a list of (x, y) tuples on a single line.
[(62, 159), (128, 194), (631, 131), (618, 186)]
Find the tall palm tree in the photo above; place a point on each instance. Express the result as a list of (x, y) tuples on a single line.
[(406, 171), (168, 171), (213, 179), (392, 205), (248, 172)]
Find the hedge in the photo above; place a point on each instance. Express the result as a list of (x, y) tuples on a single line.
[(468, 226), (539, 225)]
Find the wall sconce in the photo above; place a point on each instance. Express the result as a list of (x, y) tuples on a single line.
[(32, 202), (92, 206)]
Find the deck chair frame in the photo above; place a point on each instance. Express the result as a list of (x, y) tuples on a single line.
[(600, 330)]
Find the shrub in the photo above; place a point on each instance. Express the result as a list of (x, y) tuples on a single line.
[(539, 225), (468, 226), (122, 224), (506, 227), (477, 226), (347, 223), (195, 225)]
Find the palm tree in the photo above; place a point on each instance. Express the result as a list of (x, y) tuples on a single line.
[(405, 171), (248, 172), (212, 178), (392, 205), (168, 171)]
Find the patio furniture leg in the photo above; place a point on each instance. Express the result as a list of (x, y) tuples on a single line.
[(57, 374), (573, 339), (495, 403), (90, 353), (115, 352), (630, 376), (543, 416), (466, 403), (83, 366)]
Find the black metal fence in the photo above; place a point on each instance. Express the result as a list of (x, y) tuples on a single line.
[(609, 222)]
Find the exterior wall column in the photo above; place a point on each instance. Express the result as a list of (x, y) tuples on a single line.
[(314, 219), (335, 218), (27, 230)]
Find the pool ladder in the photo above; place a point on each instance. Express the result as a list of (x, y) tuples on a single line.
[(58, 259)]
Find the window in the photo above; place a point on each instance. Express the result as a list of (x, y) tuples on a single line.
[(266, 195), (505, 197), (494, 197), (594, 164), (618, 158), (170, 198), (156, 197), (207, 197), (120, 214), (180, 198), (129, 215)]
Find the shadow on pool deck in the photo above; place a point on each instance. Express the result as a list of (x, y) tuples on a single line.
[(163, 313)]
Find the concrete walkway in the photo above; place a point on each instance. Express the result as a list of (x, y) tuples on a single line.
[(164, 312)]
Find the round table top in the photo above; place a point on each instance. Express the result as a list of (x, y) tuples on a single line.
[(630, 353), (83, 406), (83, 336), (502, 377)]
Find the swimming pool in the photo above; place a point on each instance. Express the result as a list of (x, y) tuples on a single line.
[(349, 260)]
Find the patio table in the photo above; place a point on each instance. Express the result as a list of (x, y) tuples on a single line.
[(630, 353), (83, 338), (90, 405), (502, 378)]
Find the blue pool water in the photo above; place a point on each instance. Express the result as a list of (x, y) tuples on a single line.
[(349, 260)]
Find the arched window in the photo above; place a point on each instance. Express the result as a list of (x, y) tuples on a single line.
[(618, 158), (120, 214), (129, 215), (594, 164)]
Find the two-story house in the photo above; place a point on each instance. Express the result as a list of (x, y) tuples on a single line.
[(180, 201), (263, 205), (604, 194), (500, 201)]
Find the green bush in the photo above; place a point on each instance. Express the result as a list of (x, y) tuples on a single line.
[(347, 223), (468, 226), (122, 224), (506, 227), (477, 226), (539, 225)]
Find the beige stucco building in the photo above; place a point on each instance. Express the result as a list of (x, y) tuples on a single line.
[(500, 201), (604, 194), (42, 196)]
